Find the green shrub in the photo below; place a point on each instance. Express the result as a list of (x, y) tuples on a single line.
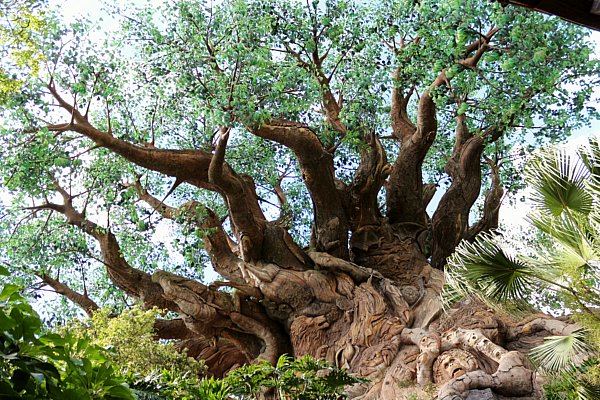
[(134, 348), (298, 379), (36, 365), (152, 367)]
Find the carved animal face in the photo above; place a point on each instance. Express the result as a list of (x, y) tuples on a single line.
[(452, 364)]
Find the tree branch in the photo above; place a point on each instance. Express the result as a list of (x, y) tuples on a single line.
[(402, 126), (491, 205), (368, 180), (133, 281), (405, 185), (216, 242), (190, 166), (212, 313), (331, 106), (82, 300), (247, 217), (449, 223), (318, 175), (187, 165)]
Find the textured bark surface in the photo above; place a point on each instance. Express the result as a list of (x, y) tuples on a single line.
[(382, 320)]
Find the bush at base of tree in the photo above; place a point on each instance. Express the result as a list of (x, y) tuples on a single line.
[(35, 365), (290, 379), (142, 359), (299, 379)]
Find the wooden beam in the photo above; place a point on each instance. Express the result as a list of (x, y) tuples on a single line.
[(582, 12)]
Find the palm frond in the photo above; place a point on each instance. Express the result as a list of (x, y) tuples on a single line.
[(557, 353), (572, 232), (484, 267), (590, 155), (576, 377), (587, 391), (559, 182)]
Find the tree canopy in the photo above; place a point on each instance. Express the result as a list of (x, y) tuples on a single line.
[(296, 147)]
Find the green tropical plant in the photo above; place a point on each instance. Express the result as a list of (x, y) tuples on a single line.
[(36, 365), (213, 389), (149, 366), (302, 379), (131, 337), (566, 199)]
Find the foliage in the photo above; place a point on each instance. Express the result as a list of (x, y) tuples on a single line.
[(303, 379), (73, 364), (566, 199), (130, 335), (134, 350), (35, 365), (576, 382), (170, 385), (24, 26), (290, 379)]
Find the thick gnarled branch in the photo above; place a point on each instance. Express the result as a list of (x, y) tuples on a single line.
[(449, 223), (186, 165), (318, 175), (211, 313), (405, 186), (246, 215), (368, 180), (491, 206), (192, 166)]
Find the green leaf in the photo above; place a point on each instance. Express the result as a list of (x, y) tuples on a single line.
[(557, 352), (559, 183), (121, 392), (485, 267)]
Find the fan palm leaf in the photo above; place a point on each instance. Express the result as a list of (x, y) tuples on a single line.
[(571, 233), (590, 156), (484, 267), (559, 352), (559, 183)]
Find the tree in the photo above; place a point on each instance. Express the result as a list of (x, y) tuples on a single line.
[(296, 147)]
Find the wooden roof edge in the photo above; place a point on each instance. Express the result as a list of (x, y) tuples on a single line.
[(582, 12)]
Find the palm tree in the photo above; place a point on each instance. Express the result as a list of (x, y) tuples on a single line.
[(566, 208)]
